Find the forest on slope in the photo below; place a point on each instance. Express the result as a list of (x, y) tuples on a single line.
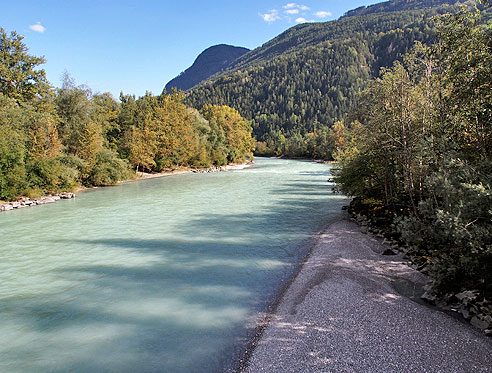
[(52, 140), (296, 86)]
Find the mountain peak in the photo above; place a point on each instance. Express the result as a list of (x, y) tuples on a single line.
[(211, 61)]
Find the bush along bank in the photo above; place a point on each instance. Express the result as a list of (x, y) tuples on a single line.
[(417, 155), (51, 198), (55, 140)]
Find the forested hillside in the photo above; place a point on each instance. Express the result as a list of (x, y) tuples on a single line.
[(299, 84), (52, 140), (396, 5), (211, 61)]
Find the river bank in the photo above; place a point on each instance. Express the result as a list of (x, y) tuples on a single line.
[(51, 198), (31, 202), (350, 308), (230, 167)]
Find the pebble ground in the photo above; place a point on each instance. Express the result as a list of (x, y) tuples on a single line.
[(342, 313)]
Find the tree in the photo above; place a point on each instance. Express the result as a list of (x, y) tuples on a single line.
[(80, 126), (177, 139), (142, 147), (19, 78), (105, 113), (12, 150), (233, 128), (422, 157), (308, 78), (466, 48)]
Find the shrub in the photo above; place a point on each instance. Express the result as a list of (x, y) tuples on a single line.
[(454, 226), (108, 169), (50, 175)]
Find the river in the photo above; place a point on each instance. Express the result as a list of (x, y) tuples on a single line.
[(161, 275)]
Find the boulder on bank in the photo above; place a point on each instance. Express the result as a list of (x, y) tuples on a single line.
[(27, 202), (6, 207), (45, 200), (66, 195)]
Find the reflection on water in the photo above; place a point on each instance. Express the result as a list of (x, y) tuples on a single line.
[(156, 275)]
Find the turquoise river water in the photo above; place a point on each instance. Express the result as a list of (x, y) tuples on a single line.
[(159, 275)]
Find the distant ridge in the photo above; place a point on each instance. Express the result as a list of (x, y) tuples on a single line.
[(211, 61), (312, 74), (397, 6)]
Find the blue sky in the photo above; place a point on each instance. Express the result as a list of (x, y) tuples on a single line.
[(137, 46)]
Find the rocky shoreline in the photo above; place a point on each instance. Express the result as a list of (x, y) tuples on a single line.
[(469, 304), (221, 168), (231, 167), (28, 202), (351, 309)]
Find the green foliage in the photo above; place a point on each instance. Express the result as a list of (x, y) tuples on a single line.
[(424, 150), (19, 78), (311, 75), (108, 169), (229, 136), (48, 176), (80, 132), (160, 132), (177, 139), (74, 163), (105, 113), (396, 5), (12, 166), (318, 144), (454, 227), (29, 151), (51, 143), (466, 51)]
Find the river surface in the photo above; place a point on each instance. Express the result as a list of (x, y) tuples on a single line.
[(159, 275)]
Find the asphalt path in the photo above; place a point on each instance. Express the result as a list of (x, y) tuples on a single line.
[(351, 309)]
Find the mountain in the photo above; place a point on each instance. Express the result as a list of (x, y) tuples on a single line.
[(211, 61), (397, 5), (312, 74)]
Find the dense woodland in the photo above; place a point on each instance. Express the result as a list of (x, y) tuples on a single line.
[(417, 154), (396, 5), (296, 86), (56, 139)]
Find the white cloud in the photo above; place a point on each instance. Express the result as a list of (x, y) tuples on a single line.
[(271, 16), (296, 6), (38, 27), (322, 14), (290, 9), (303, 20)]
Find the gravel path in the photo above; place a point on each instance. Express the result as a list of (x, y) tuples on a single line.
[(342, 313)]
